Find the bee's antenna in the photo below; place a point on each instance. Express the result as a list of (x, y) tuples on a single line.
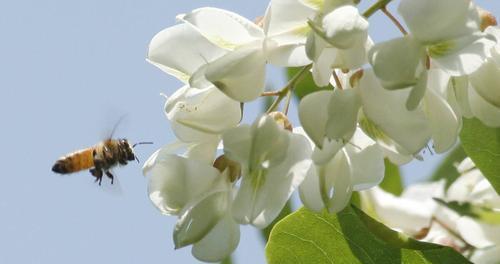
[(136, 158), (141, 143)]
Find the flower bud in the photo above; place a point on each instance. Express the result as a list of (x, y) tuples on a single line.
[(282, 120), (355, 77), (222, 163), (487, 18)]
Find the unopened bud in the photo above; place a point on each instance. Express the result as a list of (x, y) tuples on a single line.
[(259, 21), (222, 163), (355, 77), (282, 120), (487, 18), (422, 233)]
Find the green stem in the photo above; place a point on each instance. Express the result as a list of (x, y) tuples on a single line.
[(375, 7), (288, 87)]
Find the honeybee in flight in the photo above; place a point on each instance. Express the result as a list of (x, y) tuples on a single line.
[(99, 159)]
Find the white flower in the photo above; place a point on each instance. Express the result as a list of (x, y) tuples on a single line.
[(339, 41), (382, 115), (274, 162), (341, 169), (415, 213), (201, 114), (472, 187), (240, 73), (449, 33), (197, 113), (411, 212), (477, 94), (201, 196)]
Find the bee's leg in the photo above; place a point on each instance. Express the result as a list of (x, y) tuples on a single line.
[(110, 176), (98, 165), (97, 173)]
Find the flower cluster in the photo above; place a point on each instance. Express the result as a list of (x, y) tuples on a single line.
[(417, 214), (416, 88)]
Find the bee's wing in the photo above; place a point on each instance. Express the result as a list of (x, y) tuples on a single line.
[(109, 134)]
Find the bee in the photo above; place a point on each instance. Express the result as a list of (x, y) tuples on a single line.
[(99, 159)]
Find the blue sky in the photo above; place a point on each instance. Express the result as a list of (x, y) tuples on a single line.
[(68, 71)]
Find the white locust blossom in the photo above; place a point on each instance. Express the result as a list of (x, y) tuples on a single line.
[(477, 95), (328, 116), (416, 214), (333, 32), (449, 34), (274, 161), (341, 169), (339, 40), (201, 197), (240, 73), (201, 113)]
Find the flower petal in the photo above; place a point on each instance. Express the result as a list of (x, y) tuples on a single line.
[(285, 25), (198, 220), (478, 234), (486, 256), (461, 56), (399, 213), (484, 111), (313, 115), (443, 19), (176, 181), (343, 111), (162, 152), (486, 81), (220, 242), (398, 62), (262, 195), (236, 30), (322, 67), (239, 74), (444, 123), (290, 55), (287, 16), (198, 114), (367, 159), (338, 183), (344, 27), (387, 110), (191, 50), (460, 92)]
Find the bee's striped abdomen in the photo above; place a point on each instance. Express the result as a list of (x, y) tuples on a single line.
[(76, 161)]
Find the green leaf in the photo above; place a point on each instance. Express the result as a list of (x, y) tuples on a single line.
[(478, 212), (227, 260), (306, 84), (346, 237), (284, 212), (482, 145), (447, 169), (392, 179)]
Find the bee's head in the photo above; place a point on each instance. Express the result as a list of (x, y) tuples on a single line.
[(129, 152)]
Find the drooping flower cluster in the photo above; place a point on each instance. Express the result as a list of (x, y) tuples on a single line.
[(417, 214), (220, 173)]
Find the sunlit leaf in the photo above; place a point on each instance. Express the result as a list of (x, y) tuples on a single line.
[(348, 237), (306, 84), (482, 145), (392, 179)]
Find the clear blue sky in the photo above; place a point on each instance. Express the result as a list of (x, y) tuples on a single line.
[(68, 71)]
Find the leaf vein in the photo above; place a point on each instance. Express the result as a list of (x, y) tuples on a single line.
[(346, 237)]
